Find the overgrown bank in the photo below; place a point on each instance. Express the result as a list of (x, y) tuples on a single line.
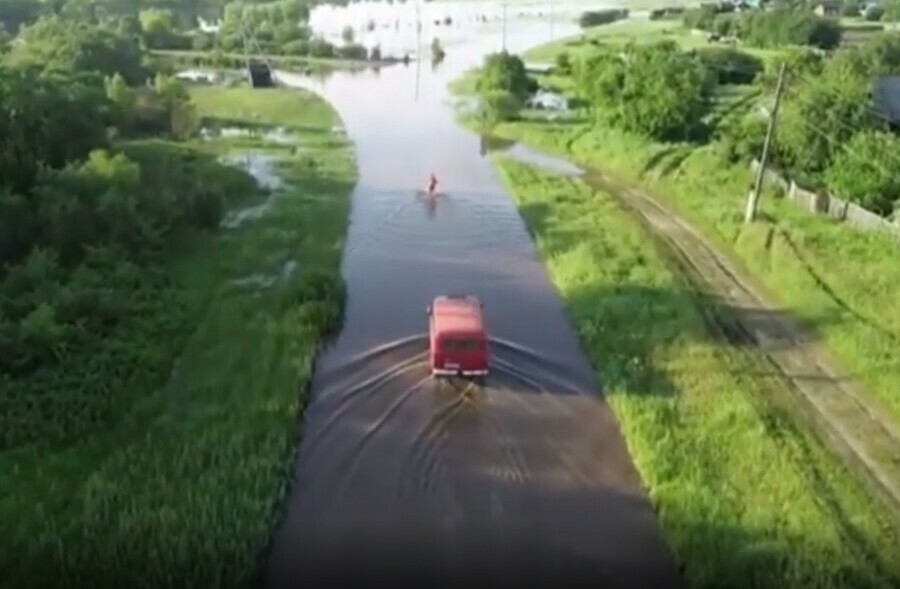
[(746, 498), (813, 267), (180, 483)]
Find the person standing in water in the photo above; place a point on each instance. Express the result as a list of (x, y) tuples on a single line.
[(432, 184)]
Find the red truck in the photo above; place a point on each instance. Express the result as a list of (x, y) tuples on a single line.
[(457, 337)]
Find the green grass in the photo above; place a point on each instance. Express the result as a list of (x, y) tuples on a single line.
[(746, 496), (810, 265), (632, 31), (192, 58), (183, 489)]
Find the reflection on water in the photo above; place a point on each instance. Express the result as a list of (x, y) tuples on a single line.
[(526, 480), (401, 28)]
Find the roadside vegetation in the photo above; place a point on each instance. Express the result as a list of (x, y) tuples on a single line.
[(161, 306), (745, 497), (690, 140), (172, 32)]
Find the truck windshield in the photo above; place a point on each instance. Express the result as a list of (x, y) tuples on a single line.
[(461, 345)]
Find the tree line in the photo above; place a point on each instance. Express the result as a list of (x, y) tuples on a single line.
[(774, 27), (94, 190), (275, 27), (831, 133)]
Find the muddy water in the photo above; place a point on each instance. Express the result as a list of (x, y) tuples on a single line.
[(405, 480)]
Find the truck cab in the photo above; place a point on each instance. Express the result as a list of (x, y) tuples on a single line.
[(458, 340)]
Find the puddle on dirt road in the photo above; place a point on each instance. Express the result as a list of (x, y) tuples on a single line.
[(403, 478)]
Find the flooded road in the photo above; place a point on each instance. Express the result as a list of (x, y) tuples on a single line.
[(404, 480)]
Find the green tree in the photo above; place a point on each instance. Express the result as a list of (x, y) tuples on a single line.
[(822, 112), (656, 90), (157, 27), (867, 171), (53, 43), (122, 102), (505, 72)]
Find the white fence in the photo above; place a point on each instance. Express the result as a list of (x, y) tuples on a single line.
[(831, 206)]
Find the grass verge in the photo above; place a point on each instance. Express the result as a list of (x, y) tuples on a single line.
[(183, 489), (746, 496), (811, 266)]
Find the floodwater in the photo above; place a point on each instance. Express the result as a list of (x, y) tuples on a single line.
[(405, 480)]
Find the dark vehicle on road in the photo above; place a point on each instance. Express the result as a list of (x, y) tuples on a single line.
[(457, 337)]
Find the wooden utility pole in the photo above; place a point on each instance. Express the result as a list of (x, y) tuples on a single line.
[(504, 25), (753, 198)]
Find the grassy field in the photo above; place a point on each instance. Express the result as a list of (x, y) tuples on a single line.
[(631, 31), (746, 499), (189, 58), (811, 266), (184, 489)]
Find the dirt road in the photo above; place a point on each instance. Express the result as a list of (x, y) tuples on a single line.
[(399, 479)]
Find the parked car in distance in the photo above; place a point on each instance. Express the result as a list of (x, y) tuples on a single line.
[(458, 340)]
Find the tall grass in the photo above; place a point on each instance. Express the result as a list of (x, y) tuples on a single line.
[(812, 266), (184, 488), (746, 496)]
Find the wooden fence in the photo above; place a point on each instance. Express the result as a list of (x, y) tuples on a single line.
[(831, 206)]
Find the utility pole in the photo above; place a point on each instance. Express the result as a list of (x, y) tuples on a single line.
[(552, 16), (753, 198), (504, 25)]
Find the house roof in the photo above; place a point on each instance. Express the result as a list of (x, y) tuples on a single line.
[(886, 97)]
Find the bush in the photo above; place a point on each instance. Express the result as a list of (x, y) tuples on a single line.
[(655, 90), (850, 9), (321, 48), (375, 54), (874, 13), (505, 72), (731, 66), (203, 42), (499, 106), (740, 139), (772, 28), (867, 172), (593, 18), (353, 51), (298, 47), (563, 63)]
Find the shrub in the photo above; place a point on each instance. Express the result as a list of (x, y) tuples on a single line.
[(563, 63), (593, 18), (874, 13), (505, 72), (731, 66), (499, 105), (353, 51)]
